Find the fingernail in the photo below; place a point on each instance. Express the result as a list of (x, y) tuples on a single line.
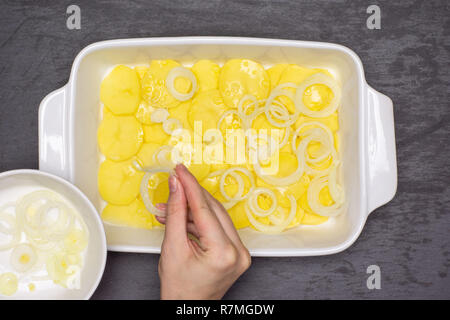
[(172, 183), (161, 206), (181, 166)]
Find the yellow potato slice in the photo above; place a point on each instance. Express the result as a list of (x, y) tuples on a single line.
[(207, 107), (332, 121), (155, 133), (120, 91), (219, 166), (310, 218), (145, 154), (154, 90), (231, 186), (132, 215), (120, 137), (237, 212), (199, 171), (119, 182), (238, 215), (239, 77), (106, 113), (317, 96), (161, 192), (211, 183), (295, 74), (141, 71), (144, 112), (275, 74), (180, 112), (261, 123), (207, 74)]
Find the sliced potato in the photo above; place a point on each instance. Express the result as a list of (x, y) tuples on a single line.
[(154, 90), (207, 107), (120, 91), (207, 74), (145, 155), (154, 133), (239, 77), (120, 137), (132, 215), (119, 182)]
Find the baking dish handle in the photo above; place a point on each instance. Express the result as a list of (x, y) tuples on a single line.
[(382, 168), (53, 134)]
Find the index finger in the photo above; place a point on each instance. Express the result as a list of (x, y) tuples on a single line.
[(203, 216)]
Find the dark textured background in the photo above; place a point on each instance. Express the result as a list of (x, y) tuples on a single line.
[(408, 60)]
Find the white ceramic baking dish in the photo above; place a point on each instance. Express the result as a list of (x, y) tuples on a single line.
[(69, 117)]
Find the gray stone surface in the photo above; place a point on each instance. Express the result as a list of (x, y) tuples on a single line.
[(408, 60)]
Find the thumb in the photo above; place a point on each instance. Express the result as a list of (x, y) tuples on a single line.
[(176, 213)]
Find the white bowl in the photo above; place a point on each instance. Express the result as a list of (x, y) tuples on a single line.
[(16, 183), (69, 117)]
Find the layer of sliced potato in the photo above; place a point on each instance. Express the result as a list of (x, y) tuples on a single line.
[(120, 137), (120, 91), (239, 77), (119, 182), (127, 133)]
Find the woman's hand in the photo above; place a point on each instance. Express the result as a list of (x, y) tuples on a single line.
[(202, 268)]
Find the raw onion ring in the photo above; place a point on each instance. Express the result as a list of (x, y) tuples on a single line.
[(306, 124), (302, 149), (239, 195), (275, 228), (169, 123), (272, 106), (256, 208), (159, 115), (144, 190), (13, 231), (16, 257), (316, 185), (170, 83), (318, 78), (284, 181)]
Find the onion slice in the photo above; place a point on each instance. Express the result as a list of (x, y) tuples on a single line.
[(318, 135), (170, 83), (298, 133), (282, 181), (280, 111), (318, 78), (161, 156), (316, 185), (23, 257), (12, 230), (240, 193), (144, 190), (256, 208), (159, 115), (171, 124), (273, 229)]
